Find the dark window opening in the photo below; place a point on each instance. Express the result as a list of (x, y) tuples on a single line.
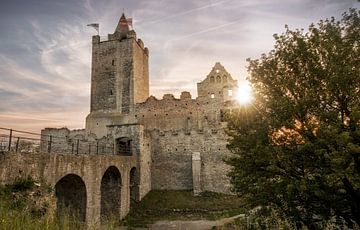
[(218, 79), (111, 92), (113, 62), (222, 116), (123, 146)]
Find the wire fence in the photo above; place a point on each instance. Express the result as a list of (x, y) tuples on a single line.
[(12, 140)]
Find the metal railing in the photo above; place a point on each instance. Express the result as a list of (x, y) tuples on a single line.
[(12, 140)]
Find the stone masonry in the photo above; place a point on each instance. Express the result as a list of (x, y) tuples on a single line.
[(179, 143), (79, 179)]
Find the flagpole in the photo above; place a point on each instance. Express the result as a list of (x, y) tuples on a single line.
[(96, 27)]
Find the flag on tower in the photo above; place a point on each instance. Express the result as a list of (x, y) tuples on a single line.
[(95, 26), (126, 22), (129, 21)]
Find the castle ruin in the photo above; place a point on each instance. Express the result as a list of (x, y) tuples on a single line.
[(179, 143)]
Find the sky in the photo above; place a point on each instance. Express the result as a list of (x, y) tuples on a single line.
[(45, 47)]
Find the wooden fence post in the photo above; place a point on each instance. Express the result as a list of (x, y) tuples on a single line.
[(17, 144), (9, 148)]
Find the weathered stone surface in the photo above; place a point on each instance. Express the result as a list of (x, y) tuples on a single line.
[(53, 168), (196, 172)]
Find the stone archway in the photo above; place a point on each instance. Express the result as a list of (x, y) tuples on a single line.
[(134, 185), (110, 194), (70, 192)]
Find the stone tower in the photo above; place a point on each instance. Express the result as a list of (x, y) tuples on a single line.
[(119, 78)]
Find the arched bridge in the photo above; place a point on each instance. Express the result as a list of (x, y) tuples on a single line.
[(95, 187)]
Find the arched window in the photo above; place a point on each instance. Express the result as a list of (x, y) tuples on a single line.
[(218, 79), (224, 78), (212, 79)]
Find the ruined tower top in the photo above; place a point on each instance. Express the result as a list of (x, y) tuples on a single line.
[(217, 86), (122, 27)]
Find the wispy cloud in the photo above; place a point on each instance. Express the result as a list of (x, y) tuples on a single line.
[(45, 47)]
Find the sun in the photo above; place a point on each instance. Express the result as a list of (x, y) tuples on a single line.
[(244, 94)]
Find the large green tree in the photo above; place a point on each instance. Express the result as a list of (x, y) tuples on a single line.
[(297, 146)]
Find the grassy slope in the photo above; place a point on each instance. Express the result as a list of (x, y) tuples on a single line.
[(27, 205), (20, 207), (182, 205)]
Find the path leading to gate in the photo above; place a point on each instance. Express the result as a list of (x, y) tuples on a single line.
[(194, 224)]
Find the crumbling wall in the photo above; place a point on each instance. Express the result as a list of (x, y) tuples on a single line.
[(178, 128), (63, 140)]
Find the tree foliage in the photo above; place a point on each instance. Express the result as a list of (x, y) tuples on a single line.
[(297, 147)]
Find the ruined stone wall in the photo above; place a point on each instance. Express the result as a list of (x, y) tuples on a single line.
[(172, 160), (178, 128), (175, 114), (63, 140)]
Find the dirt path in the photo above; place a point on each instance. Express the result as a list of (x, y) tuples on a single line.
[(192, 225)]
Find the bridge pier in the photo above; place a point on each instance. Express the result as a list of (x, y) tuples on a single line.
[(93, 205)]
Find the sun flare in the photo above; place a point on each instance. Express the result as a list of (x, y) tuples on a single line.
[(244, 94)]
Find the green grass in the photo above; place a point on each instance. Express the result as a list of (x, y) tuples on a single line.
[(182, 205), (26, 205)]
